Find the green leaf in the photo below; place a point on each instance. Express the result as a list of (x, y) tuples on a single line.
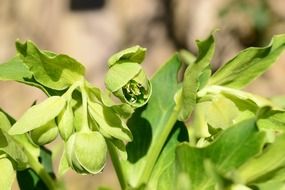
[(133, 54), (38, 115), (7, 174), (248, 64), (266, 164), (163, 172), (51, 70), (196, 76), (14, 69), (233, 148), (273, 120), (148, 124)]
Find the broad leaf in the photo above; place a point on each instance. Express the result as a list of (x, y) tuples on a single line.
[(14, 69), (148, 124), (248, 64), (232, 149), (51, 70), (196, 76), (38, 115)]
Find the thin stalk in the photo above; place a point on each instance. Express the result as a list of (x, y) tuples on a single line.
[(156, 148), (117, 165), (39, 169), (84, 108)]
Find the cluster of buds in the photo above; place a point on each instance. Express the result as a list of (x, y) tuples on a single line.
[(86, 118)]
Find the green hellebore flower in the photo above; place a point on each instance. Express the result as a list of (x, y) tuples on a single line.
[(86, 152), (126, 78), (45, 134)]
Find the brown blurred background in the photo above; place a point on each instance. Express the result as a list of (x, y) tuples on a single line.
[(92, 30)]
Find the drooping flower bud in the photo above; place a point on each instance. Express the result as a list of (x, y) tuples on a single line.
[(86, 152), (65, 122), (126, 78), (45, 134)]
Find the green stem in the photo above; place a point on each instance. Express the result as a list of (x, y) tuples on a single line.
[(117, 165), (38, 168), (84, 108), (156, 148), (41, 172)]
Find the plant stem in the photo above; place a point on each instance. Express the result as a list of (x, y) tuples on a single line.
[(38, 168), (156, 148), (84, 126), (41, 172), (117, 165)]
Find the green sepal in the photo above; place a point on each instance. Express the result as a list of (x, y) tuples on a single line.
[(109, 124), (124, 110), (133, 54), (120, 74)]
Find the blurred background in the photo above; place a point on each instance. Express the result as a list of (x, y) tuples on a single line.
[(92, 30)]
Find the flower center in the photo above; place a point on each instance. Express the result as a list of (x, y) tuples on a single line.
[(134, 92)]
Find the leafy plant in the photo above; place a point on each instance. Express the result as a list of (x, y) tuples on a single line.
[(194, 130)]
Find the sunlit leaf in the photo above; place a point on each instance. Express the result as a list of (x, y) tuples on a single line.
[(248, 64), (38, 115), (51, 70)]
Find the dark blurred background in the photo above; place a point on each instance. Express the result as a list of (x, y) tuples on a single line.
[(92, 30)]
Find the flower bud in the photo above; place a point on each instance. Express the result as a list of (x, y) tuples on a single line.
[(65, 122), (126, 78), (44, 134), (86, 152)]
